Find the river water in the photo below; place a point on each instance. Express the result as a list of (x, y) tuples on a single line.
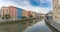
[(27, 26)]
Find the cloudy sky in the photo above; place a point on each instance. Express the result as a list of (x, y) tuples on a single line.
[(42, 6)]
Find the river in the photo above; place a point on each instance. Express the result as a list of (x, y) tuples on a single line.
[(27, 26)]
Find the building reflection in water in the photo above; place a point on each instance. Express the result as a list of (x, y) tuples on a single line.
[(17, 27), (23, 25)]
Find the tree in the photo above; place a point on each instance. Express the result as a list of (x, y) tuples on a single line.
[(24, 17), (31, 16), (6, 17)]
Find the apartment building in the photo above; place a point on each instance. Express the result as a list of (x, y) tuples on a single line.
[(11, 10), (24, 13)]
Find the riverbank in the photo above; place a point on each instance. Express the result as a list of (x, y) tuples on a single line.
[(16, 21), (53, 24)]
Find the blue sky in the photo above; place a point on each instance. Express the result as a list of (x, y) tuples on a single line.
[(39, 3), (42, 6)]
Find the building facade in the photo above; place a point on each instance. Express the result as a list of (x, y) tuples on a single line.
[(0, 13), (19, 13), (38, 15), (29, 13), (24, 13), (34, 14), (4, 10), (56, 9), (11, 10)]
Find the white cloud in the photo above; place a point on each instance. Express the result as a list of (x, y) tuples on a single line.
[(25, 5), (6, 3), (35, 9), (28, 7)]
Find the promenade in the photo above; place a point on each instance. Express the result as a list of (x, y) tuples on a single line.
[(54, 23)]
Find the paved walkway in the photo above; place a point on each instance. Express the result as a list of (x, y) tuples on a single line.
[(55, 24), (57, 21)]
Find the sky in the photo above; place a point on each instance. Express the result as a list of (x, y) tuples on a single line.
[(39, 6)]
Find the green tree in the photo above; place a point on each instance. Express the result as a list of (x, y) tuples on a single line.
[(24, 17)]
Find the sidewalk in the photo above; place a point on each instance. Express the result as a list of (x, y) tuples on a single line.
[(57, 21), (55, 24)]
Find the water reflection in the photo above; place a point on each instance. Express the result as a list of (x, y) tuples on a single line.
[(38, 27), (26, 26), (17, 27)]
